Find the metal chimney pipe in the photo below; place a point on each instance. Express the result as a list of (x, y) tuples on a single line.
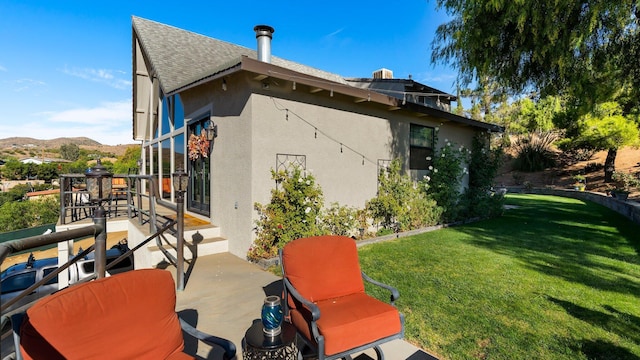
[(264, 34)]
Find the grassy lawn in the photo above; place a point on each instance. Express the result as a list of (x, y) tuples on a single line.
[(554, 278)]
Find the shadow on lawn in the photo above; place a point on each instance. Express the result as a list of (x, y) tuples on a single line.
[(623, 324), (604, 350), (566, 239)]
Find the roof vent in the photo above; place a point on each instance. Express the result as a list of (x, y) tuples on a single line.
[(264, 34), (383, 74)]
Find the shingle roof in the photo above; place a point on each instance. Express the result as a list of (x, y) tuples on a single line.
[(181, 57)]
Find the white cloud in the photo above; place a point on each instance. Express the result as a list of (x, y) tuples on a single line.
[(333, 34), (108, 123), (22, 85), (113, 78), (112, 112), (2, 68)]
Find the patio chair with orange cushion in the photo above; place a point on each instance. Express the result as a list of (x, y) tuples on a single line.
[(126, 316), (326, 299)]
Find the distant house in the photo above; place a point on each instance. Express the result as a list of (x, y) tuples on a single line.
[(271, 113), (40, 161), (54, 193), (32, 161)]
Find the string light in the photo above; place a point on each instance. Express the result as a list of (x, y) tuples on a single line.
[(316, 131)]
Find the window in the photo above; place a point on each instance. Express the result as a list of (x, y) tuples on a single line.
[(167, 114), (178, 112), (421, 147), (178, 152), (18, 282), (48, 271)]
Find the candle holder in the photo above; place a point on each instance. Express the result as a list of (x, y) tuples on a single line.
[(271, 316)]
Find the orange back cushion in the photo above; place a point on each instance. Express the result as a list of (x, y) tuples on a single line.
[(127, 316), (323, 267)]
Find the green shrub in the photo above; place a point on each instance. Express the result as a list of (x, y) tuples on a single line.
[(292, 213), (444, 182), (16, 215), (400, 202), (534, 152), (479, 199), (340, 220)]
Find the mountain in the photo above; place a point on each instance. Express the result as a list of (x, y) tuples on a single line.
[(49, 144), (22, 147)]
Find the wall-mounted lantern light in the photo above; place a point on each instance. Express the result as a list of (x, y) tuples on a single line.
[(212, 131)]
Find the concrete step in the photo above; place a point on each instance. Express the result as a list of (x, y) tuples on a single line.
[(196, 244), (200, 244)]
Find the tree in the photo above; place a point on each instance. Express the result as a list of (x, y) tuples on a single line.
[(70, 151), (13, 170), (16, 215), (47, 172), (588, 49), (128, 161), (604, 129)]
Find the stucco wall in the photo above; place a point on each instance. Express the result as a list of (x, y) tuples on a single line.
[(231, 158), (253, 127)]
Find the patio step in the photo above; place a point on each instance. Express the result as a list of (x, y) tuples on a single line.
[(194, 246), (199, 240)]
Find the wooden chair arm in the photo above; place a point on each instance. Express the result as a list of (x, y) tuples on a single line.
[(395, 294), (228, 346)]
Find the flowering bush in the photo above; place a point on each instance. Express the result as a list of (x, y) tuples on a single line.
[(198, 145), (400, 202), (445, 176), (293, 213), (625, 181), (484, 163), (340, 220)]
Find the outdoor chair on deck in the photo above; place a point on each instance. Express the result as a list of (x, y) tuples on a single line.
[(126, 316), (119, 190), (326, 299)]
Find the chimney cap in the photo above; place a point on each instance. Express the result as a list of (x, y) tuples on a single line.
[(263, 30)]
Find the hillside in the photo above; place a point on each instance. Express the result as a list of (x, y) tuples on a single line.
[(627, 160), (22, 147)]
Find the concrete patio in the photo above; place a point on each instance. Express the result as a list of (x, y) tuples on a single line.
[(224, 294)]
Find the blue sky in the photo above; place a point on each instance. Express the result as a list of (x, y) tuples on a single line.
[(65, 66)]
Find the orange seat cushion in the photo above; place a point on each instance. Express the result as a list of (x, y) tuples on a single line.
[(323, 267), (326, 271), (125, 316), (350, 321)]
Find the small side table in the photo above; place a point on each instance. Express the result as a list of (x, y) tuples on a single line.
[(257, 345)]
